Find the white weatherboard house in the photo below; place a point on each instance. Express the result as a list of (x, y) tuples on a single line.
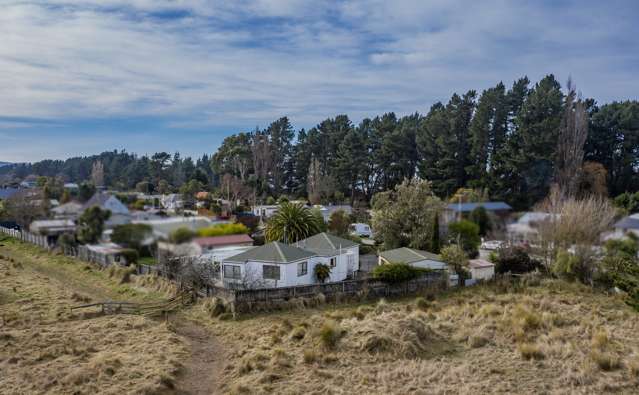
[(276, 264), (413, 257)]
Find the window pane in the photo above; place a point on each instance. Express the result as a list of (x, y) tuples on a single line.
[(271, 272), (302, 268)]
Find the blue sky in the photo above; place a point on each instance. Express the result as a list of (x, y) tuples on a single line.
[(81, 77)]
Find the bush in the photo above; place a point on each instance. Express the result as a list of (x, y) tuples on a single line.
[(338, 223), (181, 235), (329, 334), (515, 259), (570, 267), (322, 272), (130, 255), (465, 233), (480, 217), (397, 272), (131, 235), (223, 230)]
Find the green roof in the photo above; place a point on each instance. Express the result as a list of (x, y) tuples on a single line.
[(408, 255), (274, 252), (325, 244)]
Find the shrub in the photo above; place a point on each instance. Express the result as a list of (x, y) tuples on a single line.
[(329, 334), (530, 351), (181, 235), (223, 230), (130, 255), (480, 217), (131, 235), (396, 272), (338, 223), (322, 272), (570, 267), (422, 303), (309, 356), (515, 259), (466, 233)]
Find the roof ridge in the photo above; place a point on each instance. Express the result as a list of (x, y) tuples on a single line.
[(279, 250), (414, 251), (330, 242)]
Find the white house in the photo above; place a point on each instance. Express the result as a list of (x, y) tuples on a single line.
[(70, 210), (119, 212), (413, 257), (172, 202), (481, 269), (265, 211), (276, 264)]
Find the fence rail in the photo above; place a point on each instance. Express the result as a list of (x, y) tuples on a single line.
[(147, 309), (41, 241)]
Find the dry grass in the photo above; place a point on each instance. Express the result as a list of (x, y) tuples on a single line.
[(44, 348), (486, 339)]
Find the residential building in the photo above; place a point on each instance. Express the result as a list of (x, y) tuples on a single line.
[(265, 211), (52, 227), (172, 202), (326, 211), (276, 264), (629, 224), (526, 229), (203, 245), (162, 228), (120, 214), (481, 269), (70, 210), (412, 257), (500, 211)]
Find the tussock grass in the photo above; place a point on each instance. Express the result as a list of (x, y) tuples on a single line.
[(329, 334), (509, 338), (44, 348)]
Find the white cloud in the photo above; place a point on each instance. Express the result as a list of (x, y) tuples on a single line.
[(223, 63)]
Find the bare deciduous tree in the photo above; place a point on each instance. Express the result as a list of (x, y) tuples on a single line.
[(572, 137)]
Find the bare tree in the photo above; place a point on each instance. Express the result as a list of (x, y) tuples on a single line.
[(573, 222), (26, 206), (572, 137)]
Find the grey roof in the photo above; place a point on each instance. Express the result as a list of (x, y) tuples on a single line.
[(325, 244), (273, 252), (68, 208), (6, 193), (408, 255), (490, 206), (631, 222)]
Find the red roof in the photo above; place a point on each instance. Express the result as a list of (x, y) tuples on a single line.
[(217, 241), (479, 263)]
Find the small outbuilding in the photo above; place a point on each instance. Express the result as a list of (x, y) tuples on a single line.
[(481, 269), (413, 257)]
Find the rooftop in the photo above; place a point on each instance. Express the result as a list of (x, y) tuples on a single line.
[(408, 255), (273, 252), (225, 240), (629, 222), (480, 263), (325, 244), (490, 206)]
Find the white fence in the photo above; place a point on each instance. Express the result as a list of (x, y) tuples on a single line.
[(28, 237)]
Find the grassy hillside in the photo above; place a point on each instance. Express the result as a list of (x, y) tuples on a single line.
[(46, 348), (549, 336)]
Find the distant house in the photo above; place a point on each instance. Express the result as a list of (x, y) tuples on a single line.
[(172, 202), (277, 264), (203, 245), (526, 229), (70, 210), (629, 224), (265, 211), (481, 269), (456, 211), (413, 257), (119, 212), (52, 227), (31, 181), (326, 211), (72, 186)]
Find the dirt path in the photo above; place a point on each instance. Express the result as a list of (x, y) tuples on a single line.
[(202, 370)]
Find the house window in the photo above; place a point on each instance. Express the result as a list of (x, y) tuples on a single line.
[(302, 269), (271, 272), (351, 259), (232, 271), (333, 262)]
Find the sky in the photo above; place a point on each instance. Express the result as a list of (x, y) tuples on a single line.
[(82, 77)]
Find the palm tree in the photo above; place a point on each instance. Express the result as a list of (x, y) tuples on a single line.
[(291, 223)]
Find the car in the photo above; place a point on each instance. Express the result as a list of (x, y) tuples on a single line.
[(491, 244), (360, 230)]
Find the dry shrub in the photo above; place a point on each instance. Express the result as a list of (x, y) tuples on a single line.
[(215, 306), (120, 273), (310, 356), (606, 361), (329, 334), (298, 333), (530, 351), (398, 335), (156, 283), (422, 303), (477, 340)]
